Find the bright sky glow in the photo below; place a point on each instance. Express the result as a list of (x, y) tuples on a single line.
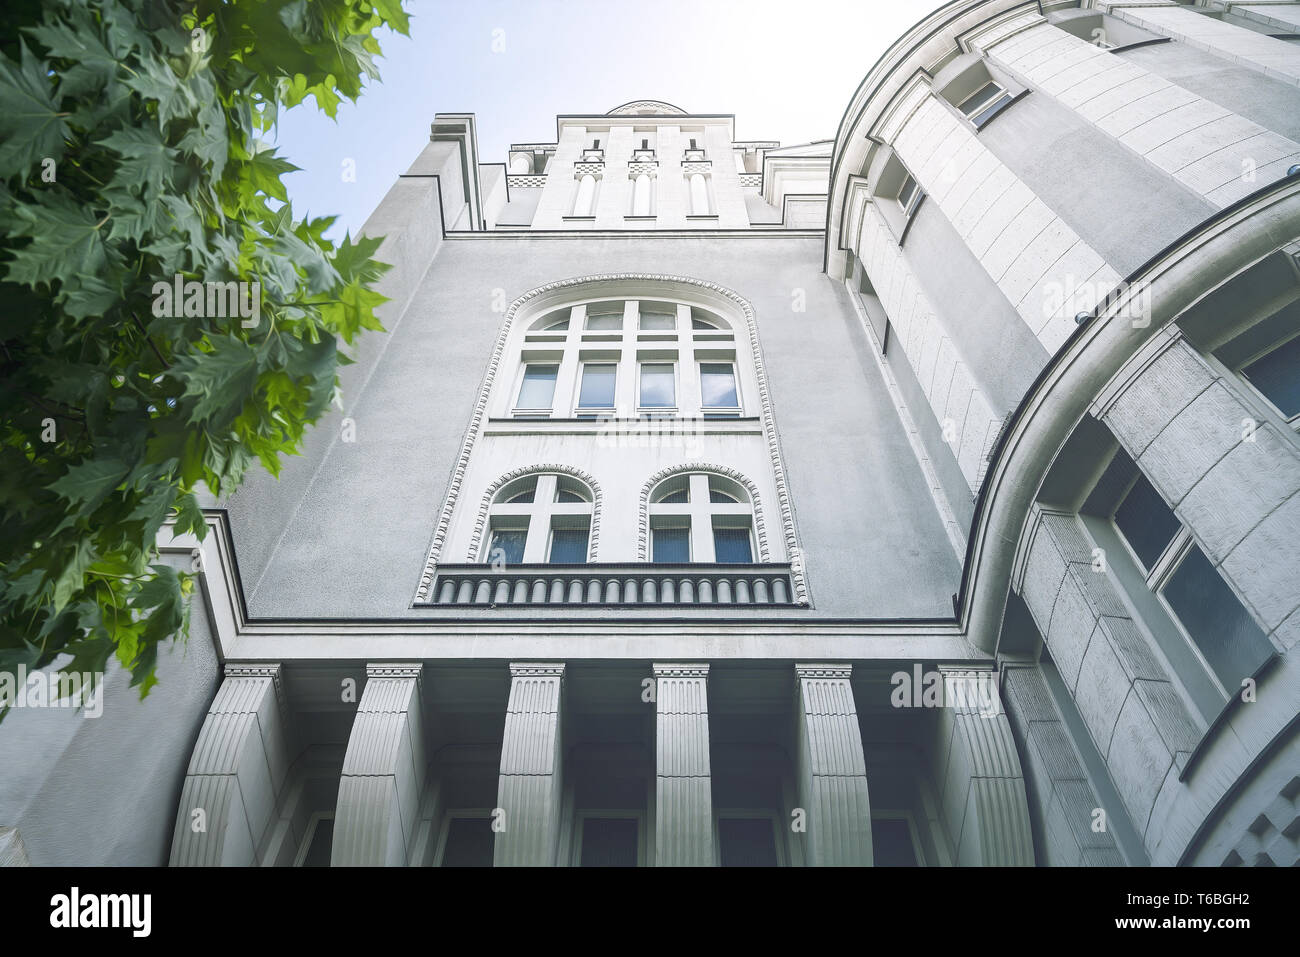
[(785, 68)]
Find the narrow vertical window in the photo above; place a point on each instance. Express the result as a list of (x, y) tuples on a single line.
[(718, 386), (538, 389), (731, 545), (641, 195), (597, 390), (507, 546), (569, 545), (657, 386), (585, 204), (699, 195)]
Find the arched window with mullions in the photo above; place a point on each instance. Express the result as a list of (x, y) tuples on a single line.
[(540, 517), (698, 516)]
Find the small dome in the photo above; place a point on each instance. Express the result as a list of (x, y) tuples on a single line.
[(646, 108)]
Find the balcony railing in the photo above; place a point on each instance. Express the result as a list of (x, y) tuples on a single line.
[(607, 585)]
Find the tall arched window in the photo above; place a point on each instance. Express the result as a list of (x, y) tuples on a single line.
[(646, 358), (585, 204), (641, 205), (699, 195), (539, 517), (701, 517)]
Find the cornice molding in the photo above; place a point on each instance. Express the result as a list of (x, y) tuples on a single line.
[(480, 524), (479, 416), (537, 669), (824, 671), (680, 671)]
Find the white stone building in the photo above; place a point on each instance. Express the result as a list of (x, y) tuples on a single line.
[(929, 495)]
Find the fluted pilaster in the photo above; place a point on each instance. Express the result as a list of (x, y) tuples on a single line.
[(530, 788), (383, 771), (980, 782), (236, 774), (683, 795), (831, 769)]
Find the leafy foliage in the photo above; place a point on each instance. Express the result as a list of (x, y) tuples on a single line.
[(132, 152)]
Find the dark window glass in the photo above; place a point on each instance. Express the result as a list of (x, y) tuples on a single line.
[(981, 98), (523, 498), (1277, 375), (675, 498), (608, 842), (672, 545), (564, 495), (1233, 645), (1146, 522), (605, 322), (569, 545), (597, 386), (716, 496), (322, 840), (731, 546), (746, 842), (891, 843), (507, 546), (907, 193), (701, 324), (469, 842)]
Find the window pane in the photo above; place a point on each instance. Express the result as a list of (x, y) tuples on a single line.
[(746, 842), (658, 320), (539, 386), (1277, 375), (675, 498), (908, 191), (569, 545), (1146, 522), (985, 95), (718, 385), (597, 386), (701, 324), (891, 843), (716, 496), (657, 385), (605, 321), (731, 546), (564, 495), (989, 111), (608, 842), (507, 546), (322, 840), (469, 842), (672, 545), (1233, 645)]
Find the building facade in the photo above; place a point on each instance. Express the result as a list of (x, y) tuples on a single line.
[(925, 496)]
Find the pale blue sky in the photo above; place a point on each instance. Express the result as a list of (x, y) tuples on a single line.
[(785, 68)]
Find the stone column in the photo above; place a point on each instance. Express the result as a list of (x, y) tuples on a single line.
[(978, 776), (237, 772), (832, 773), (530, 790), (384, 771), (683, 786)]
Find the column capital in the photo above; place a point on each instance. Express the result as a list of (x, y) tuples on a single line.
[(261, 669), (696, 670), (823, 670), (400, 669), (537, 669)]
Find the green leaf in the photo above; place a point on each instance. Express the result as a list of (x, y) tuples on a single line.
[(31, 126), (88, 484), (66, 240), (69, 580), (221, 381)]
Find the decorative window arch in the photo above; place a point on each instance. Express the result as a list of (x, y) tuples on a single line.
[(725, 313), (532, 513), (705, 500)]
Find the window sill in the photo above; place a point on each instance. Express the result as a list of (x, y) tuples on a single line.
[(578, 219), (639, 219), (702, 217), (1221, 719)]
